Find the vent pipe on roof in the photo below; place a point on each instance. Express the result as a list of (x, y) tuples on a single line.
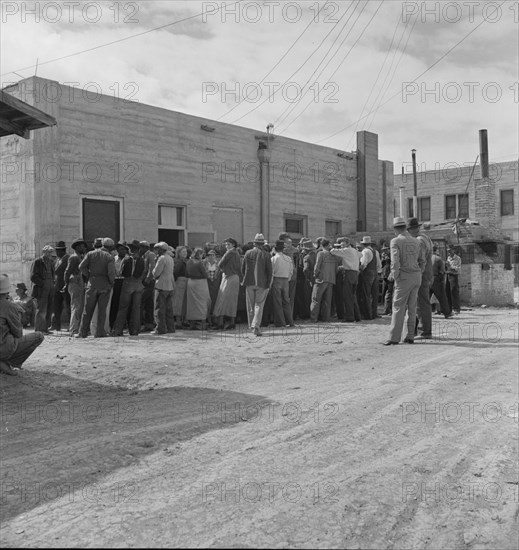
[(483, 153)]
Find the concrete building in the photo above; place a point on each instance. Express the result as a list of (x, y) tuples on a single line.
[(126, 170)]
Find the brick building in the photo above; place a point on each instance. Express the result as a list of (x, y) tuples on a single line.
[(127, 170)]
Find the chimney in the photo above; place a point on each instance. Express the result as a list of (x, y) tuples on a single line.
[(485, 189)]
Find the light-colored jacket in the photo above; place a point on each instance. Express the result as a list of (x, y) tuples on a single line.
[(163, 273)]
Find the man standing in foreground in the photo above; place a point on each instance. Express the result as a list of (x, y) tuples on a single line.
[(424, 303), (257, 276), (99, 268), (407, 265)]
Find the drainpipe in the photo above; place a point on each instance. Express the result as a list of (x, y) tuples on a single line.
[(264, 155), (483, 153)]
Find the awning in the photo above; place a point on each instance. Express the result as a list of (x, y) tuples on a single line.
[(18, 117)]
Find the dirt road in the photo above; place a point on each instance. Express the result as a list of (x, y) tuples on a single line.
[(309, 437)]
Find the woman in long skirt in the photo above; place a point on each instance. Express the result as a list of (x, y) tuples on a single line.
[(198, 301), (227, 301), (179, 296), (214, 277)]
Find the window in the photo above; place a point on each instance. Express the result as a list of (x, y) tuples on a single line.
[(507, 202), (101, 218), (332, 228), (172, 224), (295, 225), (450, 207), (424, 209), (456, 206), (463, 206), (410, 208)]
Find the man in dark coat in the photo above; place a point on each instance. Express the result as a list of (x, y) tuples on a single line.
[(42, 278), (61, 295)]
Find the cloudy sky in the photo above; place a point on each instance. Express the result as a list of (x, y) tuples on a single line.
[(423, 75)]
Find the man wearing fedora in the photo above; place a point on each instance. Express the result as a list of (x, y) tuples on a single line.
[(26, 304), (99, 269), (147, 316), (42, 278), (282, 270), (15, 348), (132, 272), (387, 284), (61, 295), (407, 265), (257, 279), (368, 280), (73, 281), (424, 309)]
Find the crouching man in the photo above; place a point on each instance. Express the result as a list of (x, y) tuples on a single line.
[(14, 347)]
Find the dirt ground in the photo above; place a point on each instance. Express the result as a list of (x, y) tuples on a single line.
[(316, 436)]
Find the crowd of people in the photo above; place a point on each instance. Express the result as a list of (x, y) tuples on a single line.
[(141, 287)]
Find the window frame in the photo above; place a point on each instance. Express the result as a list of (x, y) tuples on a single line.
[(509, 203)]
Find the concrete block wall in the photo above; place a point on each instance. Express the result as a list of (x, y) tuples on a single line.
[(492, 287)]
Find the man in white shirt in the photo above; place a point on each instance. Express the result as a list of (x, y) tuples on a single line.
[(368, 279), (282, 271), (350, 261)]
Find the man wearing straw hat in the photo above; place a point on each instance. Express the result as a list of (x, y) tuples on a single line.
[(15, 348)]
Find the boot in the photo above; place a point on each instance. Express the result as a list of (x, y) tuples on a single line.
[(217, 323)]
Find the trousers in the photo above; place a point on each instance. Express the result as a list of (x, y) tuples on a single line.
[(404, 299), (255, 297)]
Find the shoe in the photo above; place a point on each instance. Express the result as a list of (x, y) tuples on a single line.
[(390, 343), (424, 337), (7, 369), (47, 332), (229, 327), (257, 331), (450, 316), (291, 325), (408, 341), (79, 336), (156, 332)]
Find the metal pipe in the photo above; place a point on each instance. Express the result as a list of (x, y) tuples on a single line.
[(415, 185), (483, 153)]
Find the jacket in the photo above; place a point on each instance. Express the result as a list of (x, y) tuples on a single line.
[(38, 276), (257, 268)]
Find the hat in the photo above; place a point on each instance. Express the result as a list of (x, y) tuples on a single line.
[(47, 248), (144, 243), (21, 286), (399, 222), (212, 251), (234, 242), (308, 244), (107, 242), (385, 247), (77, 242), (60, 245), (336, 245), (5, 284), (162, 245), (366, 240), (98, 242), (427, 225), (259, 238), (450, 247), (134, 245), (121, 244), (412, 223)]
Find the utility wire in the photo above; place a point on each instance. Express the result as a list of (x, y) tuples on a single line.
[(280, 60), (98, 47), (291, 107), (450, 50), (296, 71), (341, 62)]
